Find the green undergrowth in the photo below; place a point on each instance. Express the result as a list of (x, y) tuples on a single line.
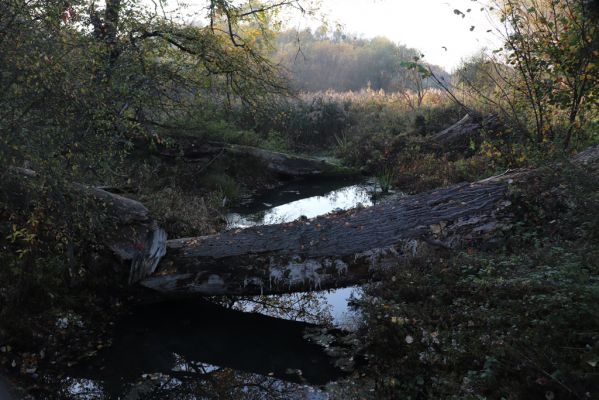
[(515, 321)]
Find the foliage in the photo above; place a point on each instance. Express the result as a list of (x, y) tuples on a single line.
[(82, 85), (88, 94), (182, 214), (544, 78), (48, 255), (513, 322), (416, 172), (554, 47), (336, 121)]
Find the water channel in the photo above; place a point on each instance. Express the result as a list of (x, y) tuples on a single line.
[(250, 348)]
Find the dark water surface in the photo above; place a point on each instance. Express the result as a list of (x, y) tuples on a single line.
[(182, 346), (252, 349)]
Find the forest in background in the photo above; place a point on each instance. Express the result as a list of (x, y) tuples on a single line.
[(322, 60), (107, 94)]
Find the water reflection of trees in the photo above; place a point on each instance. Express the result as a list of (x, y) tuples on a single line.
[(194, 381), (196, 350), (311, 307), (340, 199)]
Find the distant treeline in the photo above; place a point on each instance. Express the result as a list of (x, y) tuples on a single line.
[(319, 60)]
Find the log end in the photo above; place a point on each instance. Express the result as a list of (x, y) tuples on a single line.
[(146, 261)]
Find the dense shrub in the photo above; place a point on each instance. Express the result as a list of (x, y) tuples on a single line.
[(514, 321), (337, 121)]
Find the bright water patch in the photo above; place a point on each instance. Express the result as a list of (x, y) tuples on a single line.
[(338, 199), (327, 307), (323, 307)]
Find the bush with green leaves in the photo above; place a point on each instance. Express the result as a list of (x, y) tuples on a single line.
[(84, 83), (515, 321)]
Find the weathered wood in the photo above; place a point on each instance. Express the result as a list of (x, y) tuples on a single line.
[(333, 250), (135, 236), (288, 165), (130, 232), (341, 249), (587, 157), (458, 135)]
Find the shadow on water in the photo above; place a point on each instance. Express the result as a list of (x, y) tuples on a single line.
[(191, 340)]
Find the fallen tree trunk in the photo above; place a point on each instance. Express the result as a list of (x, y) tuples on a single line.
[(194, 149), (134, 236), (334, 250), (128, 230), (459, 135), (341, 249)]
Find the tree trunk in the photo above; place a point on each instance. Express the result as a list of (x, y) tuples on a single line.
[(459, 135), (195, 149), (134, 236), (333, 250), (342, 249)]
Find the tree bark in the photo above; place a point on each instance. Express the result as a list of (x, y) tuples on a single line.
[(134, 236), (333, 250), (342, 249)]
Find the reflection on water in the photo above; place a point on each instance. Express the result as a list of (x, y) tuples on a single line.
[(253, 349), (339, 300), (195, 349), (295, 200), (267, 210), (324, 308)]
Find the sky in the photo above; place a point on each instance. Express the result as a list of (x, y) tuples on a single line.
[(427, 25)]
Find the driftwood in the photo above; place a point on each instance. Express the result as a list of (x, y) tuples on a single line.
[(340, 249), (196, 150)]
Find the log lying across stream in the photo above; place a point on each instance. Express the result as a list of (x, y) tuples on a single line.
[(340, 249), (333, 250)]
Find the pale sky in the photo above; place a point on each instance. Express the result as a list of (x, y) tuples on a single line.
[(424, 24), (427, 25)]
